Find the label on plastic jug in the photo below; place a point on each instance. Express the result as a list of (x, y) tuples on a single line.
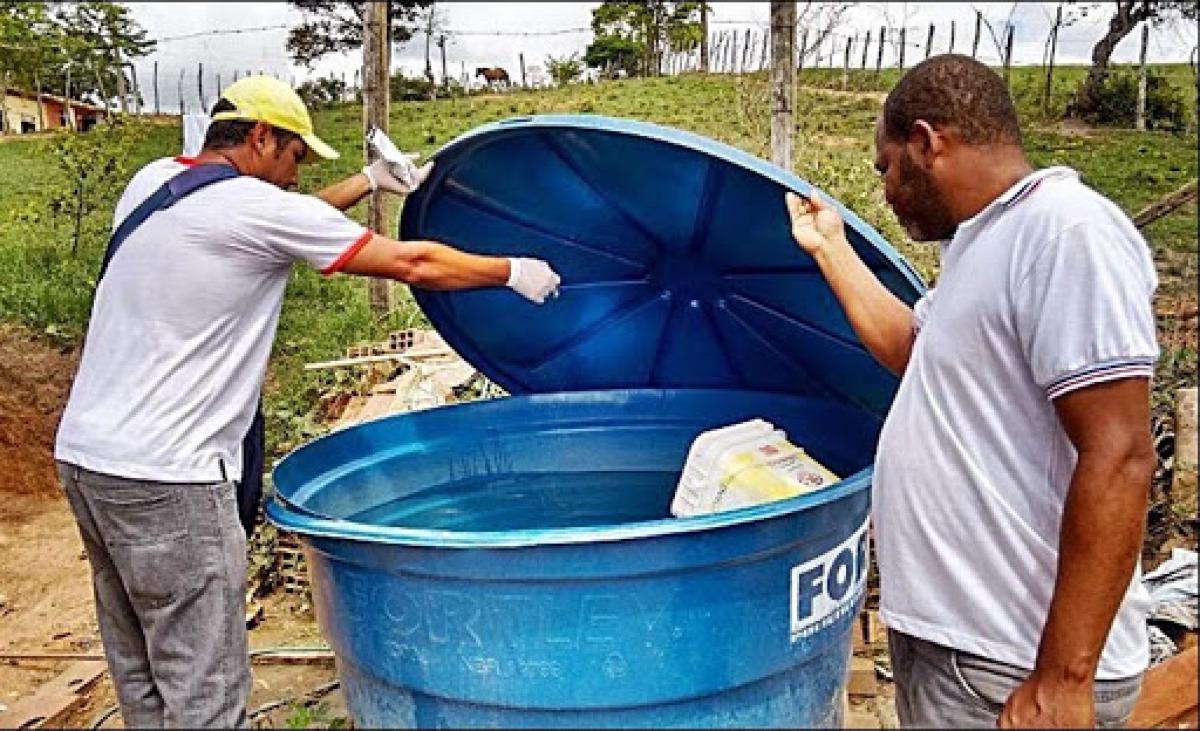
[(827, 588)]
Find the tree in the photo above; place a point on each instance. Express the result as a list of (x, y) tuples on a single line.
[(71, 49), (333, 26), (633, 36), (825, 18), (564, 70), (24, 33), (96, 42), (1129, 13), (433, 22)]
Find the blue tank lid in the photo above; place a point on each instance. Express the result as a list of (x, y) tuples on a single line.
[(678, 265)]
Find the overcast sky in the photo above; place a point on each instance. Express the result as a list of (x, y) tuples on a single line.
[(490, 34)]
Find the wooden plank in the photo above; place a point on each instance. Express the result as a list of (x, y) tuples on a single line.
[(406, 357), (325, 657), (361, 360), (1169, 693), (55, 698), (874, 630), (1165, 205), (861, 680)]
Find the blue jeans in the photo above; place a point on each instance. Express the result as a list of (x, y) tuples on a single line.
[(939, 687), (169, 575)]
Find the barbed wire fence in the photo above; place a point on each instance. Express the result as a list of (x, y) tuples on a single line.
[(734, 47)]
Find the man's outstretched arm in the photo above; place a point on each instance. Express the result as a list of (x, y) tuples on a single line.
[(879, 318)]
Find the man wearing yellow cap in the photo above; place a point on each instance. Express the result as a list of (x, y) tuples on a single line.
[(150, 444)]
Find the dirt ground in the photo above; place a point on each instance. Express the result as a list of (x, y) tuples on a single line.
[(45, 584)]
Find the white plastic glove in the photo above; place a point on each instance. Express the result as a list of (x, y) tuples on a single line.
[(394, 171), (533, 279)]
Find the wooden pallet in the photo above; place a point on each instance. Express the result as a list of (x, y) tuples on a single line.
[(293, 568), (50, 703)]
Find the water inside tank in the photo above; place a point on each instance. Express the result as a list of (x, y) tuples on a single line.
[(530, 501)]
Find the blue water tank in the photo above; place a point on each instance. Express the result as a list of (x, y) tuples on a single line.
[(512, 563)]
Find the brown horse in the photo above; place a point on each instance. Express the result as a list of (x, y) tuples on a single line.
[(495, 75)]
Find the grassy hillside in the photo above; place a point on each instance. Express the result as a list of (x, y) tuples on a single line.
[(48, 288)]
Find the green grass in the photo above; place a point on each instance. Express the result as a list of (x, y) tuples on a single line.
[(47, 289)]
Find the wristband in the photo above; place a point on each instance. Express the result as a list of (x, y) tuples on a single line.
[(514, 271)]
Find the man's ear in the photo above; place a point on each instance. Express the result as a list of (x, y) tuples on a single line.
[(259, 135), (925, 143)]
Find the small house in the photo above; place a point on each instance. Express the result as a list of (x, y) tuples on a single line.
[(25, 111)]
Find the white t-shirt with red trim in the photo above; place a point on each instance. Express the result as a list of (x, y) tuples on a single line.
[(183, 322), (1045, 291)]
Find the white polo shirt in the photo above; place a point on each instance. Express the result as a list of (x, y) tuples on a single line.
[(1045, 291), (183, 323)]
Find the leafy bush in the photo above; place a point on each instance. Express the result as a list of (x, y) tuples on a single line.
[(93, 168), (564, 70), (1117, 102), (404, 88), (323, 92)]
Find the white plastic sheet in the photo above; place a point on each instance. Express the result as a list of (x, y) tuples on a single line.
[(1173, 600), (195, 126)]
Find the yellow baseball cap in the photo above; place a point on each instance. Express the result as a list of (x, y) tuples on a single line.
[(264, 99)]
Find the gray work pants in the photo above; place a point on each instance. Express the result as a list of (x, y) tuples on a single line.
[(169, 575), (938, 687)]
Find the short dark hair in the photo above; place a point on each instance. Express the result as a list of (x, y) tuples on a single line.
[(226, 133), (956, 91)]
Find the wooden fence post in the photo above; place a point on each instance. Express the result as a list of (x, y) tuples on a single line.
[(122, 95), (882, 41), (1140, 118), (803, 49), (978, 27), (762, 64), (66, 94), (952, 28), (157, 108), (846, 62), (182, 104), (376, 53), (1008, 45), (445, 73), (200, 87), (521, 56), (783, 39), (1050, 61), (745, 54), (704, 37), (866, 47), (929, 42), (903, 34), (137, 92)]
